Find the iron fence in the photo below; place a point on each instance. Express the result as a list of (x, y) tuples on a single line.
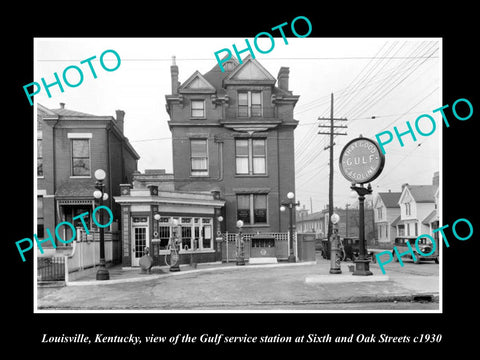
[(51, 268)]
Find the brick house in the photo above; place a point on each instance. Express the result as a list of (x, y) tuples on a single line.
[(233, 159), (232, 132), (71, 145)]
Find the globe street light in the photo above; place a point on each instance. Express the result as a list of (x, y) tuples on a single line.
[(290, 204), (174, 247), (240, 245), (335, 249), (99, 194)]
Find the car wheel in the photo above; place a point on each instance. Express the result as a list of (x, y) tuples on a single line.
[(395, 257), (436, 260), (417, 260)]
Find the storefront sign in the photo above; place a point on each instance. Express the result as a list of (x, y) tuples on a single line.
[(361, 161)]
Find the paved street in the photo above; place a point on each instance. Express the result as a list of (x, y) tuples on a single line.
[(252, 288)]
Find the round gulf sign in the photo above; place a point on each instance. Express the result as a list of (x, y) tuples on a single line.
[(361, 161)]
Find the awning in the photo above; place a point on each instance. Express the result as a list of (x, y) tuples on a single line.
[(76, 190)]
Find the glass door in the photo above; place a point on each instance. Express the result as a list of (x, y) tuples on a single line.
[(139, 243)]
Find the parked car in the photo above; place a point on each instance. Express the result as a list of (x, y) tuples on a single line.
[(351, 246), (351, 249), (424, 245)]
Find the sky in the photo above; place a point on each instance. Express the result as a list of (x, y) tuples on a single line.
[(378, 83)]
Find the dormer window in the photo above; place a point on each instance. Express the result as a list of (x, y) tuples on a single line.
[(249, 103), (198, 108)]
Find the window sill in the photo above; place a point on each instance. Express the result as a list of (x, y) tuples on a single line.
[(250, 175), (256, 225)]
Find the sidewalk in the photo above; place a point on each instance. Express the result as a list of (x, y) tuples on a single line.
[(229, 287), (119, 274)]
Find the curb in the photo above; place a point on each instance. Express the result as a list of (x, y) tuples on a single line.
[(159, 276), (233, 307)]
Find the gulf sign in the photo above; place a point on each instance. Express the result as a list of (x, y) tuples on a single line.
[(361, 160)]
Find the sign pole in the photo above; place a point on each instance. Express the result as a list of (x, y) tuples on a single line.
[(361, 161), (362, 264)]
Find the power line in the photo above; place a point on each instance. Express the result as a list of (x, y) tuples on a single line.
[(262, 59)]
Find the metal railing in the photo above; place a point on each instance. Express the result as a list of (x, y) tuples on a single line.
[(229, 244), (51, 268)]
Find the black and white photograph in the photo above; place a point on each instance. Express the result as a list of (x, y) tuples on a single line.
[(281, 187), (216, 174)]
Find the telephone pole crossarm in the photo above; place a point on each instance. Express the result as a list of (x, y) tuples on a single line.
[(331, 133)]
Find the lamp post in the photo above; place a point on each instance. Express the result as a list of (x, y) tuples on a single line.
[(219, 237), (174, 247), (156, 235), (290, 204), (99, 194), (335, 249), (240, 245), (362, 266)]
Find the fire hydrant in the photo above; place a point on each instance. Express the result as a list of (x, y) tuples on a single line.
[(335, 247)]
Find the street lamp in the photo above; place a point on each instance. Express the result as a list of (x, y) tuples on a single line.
[(335, 249), (174, 247), (290, 204), (155, 243), (240, 245), (99, 194), (362, 264)]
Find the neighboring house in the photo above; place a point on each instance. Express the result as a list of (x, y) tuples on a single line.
[(417, 210), (386, 211), (71, 146)]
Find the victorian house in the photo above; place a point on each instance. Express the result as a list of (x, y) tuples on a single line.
[(233, 159)]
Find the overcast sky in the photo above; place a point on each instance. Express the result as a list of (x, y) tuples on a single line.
[(393, 80)]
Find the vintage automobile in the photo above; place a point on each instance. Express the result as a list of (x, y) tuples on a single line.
[(351, 249), (351, 246), (424, 245)]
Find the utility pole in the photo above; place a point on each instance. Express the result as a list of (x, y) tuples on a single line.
[(331, 133)]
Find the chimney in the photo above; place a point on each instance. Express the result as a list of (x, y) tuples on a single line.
[(62, 105), (120, 117), (283, 78), (436, 179), (403, 185), (174, 73)]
